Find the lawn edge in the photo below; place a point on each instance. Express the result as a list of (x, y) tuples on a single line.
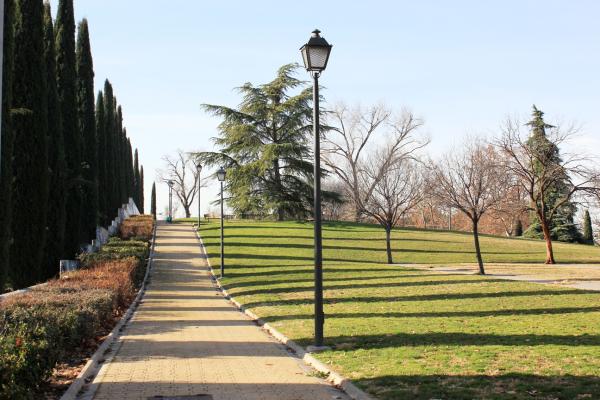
[(333, 377), (98, 359)]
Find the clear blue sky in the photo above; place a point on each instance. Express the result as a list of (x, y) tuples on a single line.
[(463, 66)]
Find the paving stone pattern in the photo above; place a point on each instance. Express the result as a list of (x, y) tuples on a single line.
[(186, 339)]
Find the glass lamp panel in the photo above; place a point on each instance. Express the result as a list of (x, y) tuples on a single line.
[(305, 57), (318, 57)]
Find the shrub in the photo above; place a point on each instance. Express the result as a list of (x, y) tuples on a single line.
[(139, 226), (39, 327)]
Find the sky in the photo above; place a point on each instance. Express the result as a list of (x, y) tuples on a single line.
[(462, 66)]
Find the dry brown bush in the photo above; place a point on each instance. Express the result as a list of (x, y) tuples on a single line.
[(139, 226)]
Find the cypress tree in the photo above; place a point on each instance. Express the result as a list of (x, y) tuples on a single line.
[(6, 145), (101, 143), (30, 160), (120, 150), (136, 185), (153, 200), (588, 234), (56, 157), (141, 188), (66, 83), (109, 118), (87, 128), (130, 174)]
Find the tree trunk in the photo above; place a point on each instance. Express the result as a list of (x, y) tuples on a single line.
[(548, 239), (356, 214), (187, 211), (388, 242), (477, 247)]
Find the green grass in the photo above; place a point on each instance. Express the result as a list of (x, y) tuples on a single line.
[(401, 333)]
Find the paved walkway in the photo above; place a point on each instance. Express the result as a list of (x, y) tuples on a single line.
[(578, 276), (187, 339)]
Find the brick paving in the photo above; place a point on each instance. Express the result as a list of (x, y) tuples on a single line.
[(187, 339)]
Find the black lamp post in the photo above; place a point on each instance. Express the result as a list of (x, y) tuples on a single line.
[(199, 170), (170, 217), (315, 54), (221, 173)]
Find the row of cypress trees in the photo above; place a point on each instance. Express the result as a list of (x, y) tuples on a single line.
[(67, 164)]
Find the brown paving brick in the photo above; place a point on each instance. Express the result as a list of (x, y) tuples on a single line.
[(186, 339)]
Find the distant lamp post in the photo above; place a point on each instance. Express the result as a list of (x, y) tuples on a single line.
[(199, 170), (315, 54), (170, 217), (221, 174)]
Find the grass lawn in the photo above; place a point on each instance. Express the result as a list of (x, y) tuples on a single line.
[(402, 333)]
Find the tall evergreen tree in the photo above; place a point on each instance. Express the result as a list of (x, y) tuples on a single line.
[(141, 188), (87, 127), (130, 174), (265, 145), (101, 150), (562, 225), (30, 160), (588, 234), (109, 118), (67, 96), (56, 157), (153, 200), (7, 141), (136, 178)]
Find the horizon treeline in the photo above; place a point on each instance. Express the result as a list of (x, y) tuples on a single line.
[(66, 164)]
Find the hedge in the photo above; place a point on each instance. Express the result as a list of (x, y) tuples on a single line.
[(40, 327)]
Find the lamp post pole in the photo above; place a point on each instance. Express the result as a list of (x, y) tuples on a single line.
[(319, 315), (315, 55), (221, 173), (170, 218), (1, 72), (199, 168), (222, 237)]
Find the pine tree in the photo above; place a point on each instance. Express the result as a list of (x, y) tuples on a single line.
[(588, 234), (30, 160), (67, 96), (101, 137), (265, 145), (562, 226), (87, 127), (6, 143), (137, 178), (153, 200), (56, 158), (141, 188)]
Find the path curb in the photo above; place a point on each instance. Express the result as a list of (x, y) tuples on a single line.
[(99, 357), (333, 377)]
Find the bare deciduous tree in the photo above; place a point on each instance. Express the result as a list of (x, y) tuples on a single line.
[(390, 190), (181, 169), (351, 142), (471, 181), (538, 173)]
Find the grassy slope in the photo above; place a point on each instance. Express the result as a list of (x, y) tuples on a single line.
[(401, 333)]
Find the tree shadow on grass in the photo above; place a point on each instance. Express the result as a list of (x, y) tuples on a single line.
[(425, 297), (509, 386), (328, 279), (399, 340), (327, 286), (444, 314)]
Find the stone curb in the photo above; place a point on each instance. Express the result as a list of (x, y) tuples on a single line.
[(333, 377), (99, 357)]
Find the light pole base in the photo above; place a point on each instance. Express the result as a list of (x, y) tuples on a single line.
[(317, 349)]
